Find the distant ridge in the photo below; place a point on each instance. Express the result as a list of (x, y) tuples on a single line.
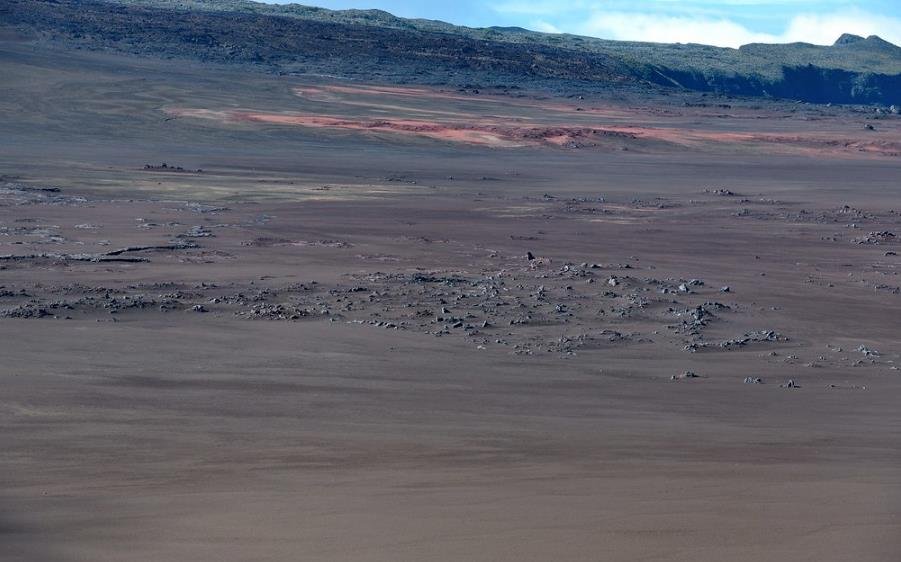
[(377, 45), (873, 42), (849, 39)]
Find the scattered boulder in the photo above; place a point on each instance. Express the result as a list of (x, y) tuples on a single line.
[(876, 238), (867, 351), (761, 336), (197, 231), (685, 375)]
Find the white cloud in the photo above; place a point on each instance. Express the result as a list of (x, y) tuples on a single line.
[(821, 29), (700, 21), (670, 29), (825, 28), (544, 27)]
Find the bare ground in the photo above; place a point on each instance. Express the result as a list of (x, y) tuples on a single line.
[(322, 343)]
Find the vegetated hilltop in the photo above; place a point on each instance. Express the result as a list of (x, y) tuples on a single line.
[(379, 46)]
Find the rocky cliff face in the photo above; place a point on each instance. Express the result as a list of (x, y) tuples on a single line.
[(808, 83)]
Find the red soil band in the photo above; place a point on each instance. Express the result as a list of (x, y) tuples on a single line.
[(495, 134)]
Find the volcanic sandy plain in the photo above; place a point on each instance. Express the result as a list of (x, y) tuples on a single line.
[(258, 317)]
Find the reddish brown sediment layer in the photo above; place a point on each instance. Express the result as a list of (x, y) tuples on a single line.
[(490, 133)]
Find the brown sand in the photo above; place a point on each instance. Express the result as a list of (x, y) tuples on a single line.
[(376, 372)]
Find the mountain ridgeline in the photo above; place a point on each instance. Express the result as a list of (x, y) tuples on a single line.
[(374, 45)]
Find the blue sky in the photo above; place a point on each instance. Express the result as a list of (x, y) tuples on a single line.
[(727, 23)]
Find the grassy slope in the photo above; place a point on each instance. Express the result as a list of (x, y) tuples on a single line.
[(375, 45), (872, 55)]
